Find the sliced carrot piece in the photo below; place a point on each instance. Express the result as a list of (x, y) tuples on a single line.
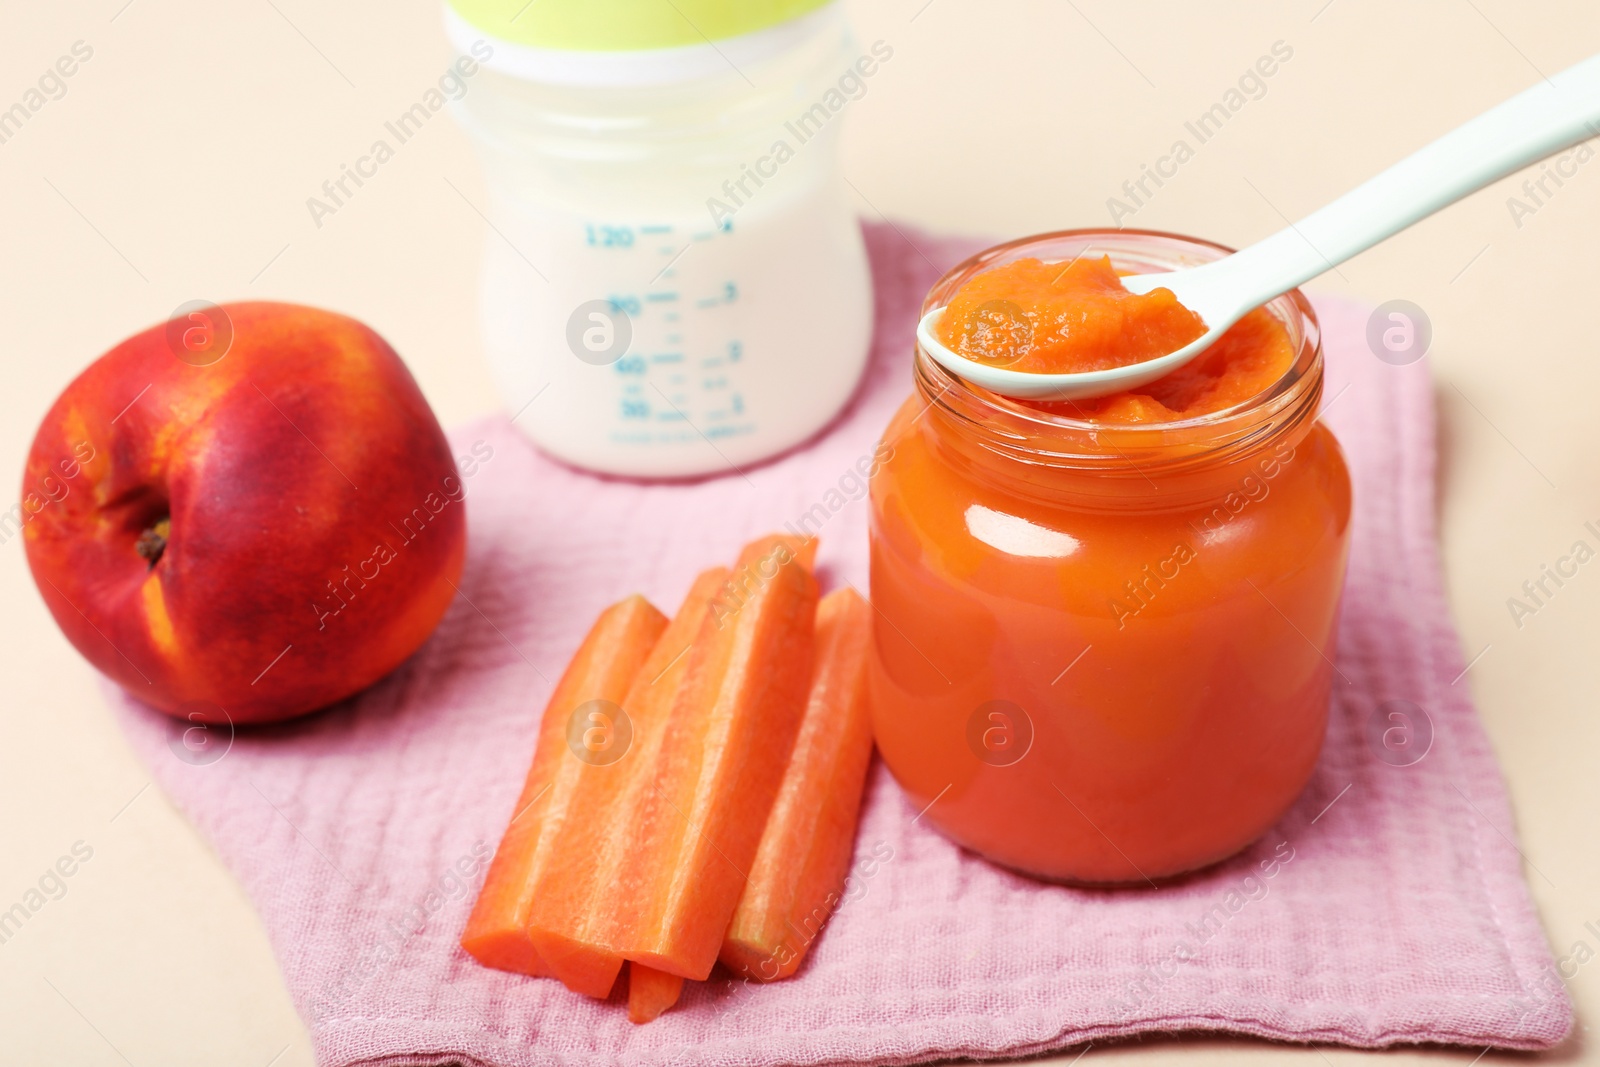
[(798, 876), (650, 992), (727, 744), (758, 562), (602, 670), (594, 843)]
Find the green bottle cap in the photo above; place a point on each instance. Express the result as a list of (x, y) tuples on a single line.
[(625, 25)]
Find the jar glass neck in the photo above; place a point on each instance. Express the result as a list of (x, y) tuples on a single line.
[(1119, 469), (1091, 464)]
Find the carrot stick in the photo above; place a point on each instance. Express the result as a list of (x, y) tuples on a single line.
[(727, 742), (798, 876), (650, 992), (593, 845), (602, 669)]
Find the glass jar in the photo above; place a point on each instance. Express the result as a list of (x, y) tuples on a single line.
[(675, 281), (1103, 652)]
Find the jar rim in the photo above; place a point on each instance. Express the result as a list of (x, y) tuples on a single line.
[(1021, 431)]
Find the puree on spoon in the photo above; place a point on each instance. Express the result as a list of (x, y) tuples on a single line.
[(1052, 318)]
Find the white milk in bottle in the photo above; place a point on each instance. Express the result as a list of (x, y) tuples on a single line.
[(674, 283)]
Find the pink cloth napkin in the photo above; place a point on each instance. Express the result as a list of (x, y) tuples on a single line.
[(1387, 907)]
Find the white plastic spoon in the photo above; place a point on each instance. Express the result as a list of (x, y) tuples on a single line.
[(1553, 115)]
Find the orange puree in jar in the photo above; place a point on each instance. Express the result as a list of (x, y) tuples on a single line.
[(1104, 638), (1053, 318)]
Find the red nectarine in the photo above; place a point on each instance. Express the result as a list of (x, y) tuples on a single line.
[(247, 537)]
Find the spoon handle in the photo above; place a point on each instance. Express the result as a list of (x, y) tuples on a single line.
[(1555, 114)]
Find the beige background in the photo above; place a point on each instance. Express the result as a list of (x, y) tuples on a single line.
[(177, 166)]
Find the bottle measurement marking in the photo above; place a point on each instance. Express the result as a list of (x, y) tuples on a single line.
[(673, 379), (609, 236), (729, 294)]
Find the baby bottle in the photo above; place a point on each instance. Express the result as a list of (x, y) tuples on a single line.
[(674, 283)]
